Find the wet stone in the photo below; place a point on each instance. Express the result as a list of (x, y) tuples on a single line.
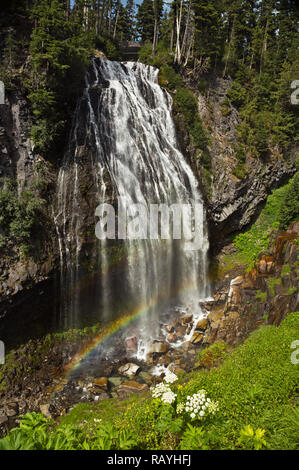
[(129, 369), (101, 382)]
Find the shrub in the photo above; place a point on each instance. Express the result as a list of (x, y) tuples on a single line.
[(171, 79), (289, 209), (213, 355), (20, 215)]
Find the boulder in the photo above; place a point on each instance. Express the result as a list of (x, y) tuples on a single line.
[(181, 331), (187, 318), (44, 409), (101, 382), (129, 369), (159, 348), (146, 377), (131, 343), (128, 388), (115, 381), (196, 338), (171, 338), (202, 324), (169, 328)]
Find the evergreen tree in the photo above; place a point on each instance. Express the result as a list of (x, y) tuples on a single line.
[(145, 21)]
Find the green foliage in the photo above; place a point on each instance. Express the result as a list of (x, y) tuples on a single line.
[(250, 439), (35, 433), (292, 290), (289, 209), (213, 355), (256, 240), (256, 381), (239, 170), (59, 54), (169, 78), (194, 438), (261, 296), (10, 61), (225, 108), (21, 216), (109, 46), (187, 104), (271, 283), (286, 269)]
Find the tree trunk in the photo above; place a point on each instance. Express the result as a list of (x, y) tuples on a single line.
[(177, 57), (264, 48), (187, 30), (229, 46)]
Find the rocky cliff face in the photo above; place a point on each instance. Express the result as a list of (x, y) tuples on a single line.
[(18, 161), (232, 202), (265, 295)]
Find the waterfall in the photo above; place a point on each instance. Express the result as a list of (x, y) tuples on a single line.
[(123, 144)]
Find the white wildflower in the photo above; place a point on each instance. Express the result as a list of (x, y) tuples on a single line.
[(168, 397), (170, 377)]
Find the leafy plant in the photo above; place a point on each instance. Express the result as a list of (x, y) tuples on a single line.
[(194, 438), (250, 439)]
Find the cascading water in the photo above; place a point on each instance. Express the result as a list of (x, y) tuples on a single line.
[(123, 145)]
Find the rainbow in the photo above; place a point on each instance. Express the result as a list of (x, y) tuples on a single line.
[(109, 330)]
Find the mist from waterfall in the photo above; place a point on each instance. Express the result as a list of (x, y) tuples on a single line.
[(123, 133)]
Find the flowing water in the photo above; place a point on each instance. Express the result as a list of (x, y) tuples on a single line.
[(123, 144)]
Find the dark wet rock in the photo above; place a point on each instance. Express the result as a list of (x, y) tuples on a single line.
[(171, 338), (3, 419), (186, 319), (169, 328), (146, 377)]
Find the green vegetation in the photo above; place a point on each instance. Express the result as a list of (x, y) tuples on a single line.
[(255, 388), (261, 296), (21, 216), (286, 269), (272, 282), (273, 216), (213, 355), (289, 209), (38, 349), (185, 102)]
